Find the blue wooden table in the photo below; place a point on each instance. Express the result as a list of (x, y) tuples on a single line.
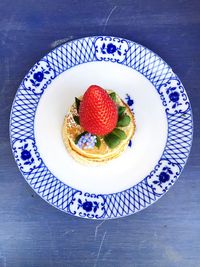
[(33, 233)]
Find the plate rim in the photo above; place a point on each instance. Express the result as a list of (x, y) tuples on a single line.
[(97, 195)]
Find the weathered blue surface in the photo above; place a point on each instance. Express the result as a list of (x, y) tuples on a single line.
[(34, 234)]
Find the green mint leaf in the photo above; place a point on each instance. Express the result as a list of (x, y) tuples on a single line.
[(98, 142), (113, 96), (123, 121), (78, 101), (120, 133), (112, 140), (76, 119), (121, 110), (78, 137)]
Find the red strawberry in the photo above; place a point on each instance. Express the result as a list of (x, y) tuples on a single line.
[(98, 112)]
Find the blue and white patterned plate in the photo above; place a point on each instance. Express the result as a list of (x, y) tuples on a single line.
[(155, 156)]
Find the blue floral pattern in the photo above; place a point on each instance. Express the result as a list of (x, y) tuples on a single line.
[(39, 77), (163, 176), (112, 49), (173, 96), (26, 155), (130, 143), (130, 102), (87, 205)]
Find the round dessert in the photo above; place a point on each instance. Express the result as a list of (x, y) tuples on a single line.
[(98, 126)]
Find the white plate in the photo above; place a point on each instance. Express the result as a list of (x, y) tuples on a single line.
[(160, 146)]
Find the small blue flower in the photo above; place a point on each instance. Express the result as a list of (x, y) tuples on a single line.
[(111, 48), (164, 177), (38, 76), (84, 140), (174, 97), (87, 206), (25, 155), (87, 141)]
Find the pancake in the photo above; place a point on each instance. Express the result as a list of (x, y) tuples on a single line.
[(96, 155)]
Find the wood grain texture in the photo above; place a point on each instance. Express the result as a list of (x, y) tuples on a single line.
[(34, 234)]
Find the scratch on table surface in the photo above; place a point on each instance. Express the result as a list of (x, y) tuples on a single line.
[(67, 232), (61, 41), (168, 251), (96, 229), (99, 251), (172, 254), (109, 15)]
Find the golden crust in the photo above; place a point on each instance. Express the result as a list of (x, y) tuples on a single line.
[(96, 155)]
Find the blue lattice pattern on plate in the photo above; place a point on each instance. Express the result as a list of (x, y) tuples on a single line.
[(129, 201), (87, 204), (71, 54), (22, 121), (50, 188), (149, 64), (177, 149)]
